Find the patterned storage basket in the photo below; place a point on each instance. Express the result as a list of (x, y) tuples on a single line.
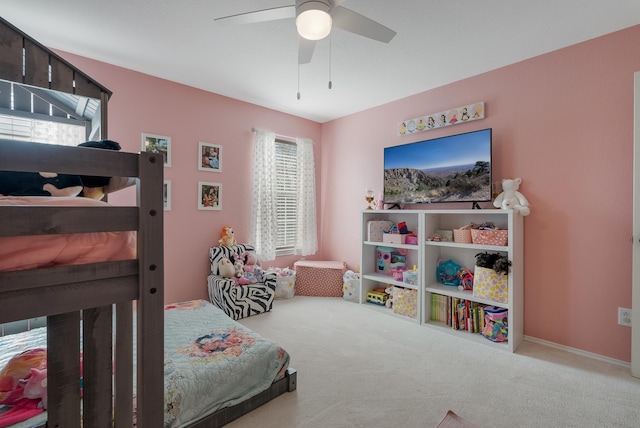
[(463, 235), (489, 236)]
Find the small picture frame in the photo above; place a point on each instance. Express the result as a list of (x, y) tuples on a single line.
[(209, 157), (157, 144), (166, 195), (209, 196)]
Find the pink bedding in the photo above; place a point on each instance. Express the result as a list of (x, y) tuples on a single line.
[(38, 251)]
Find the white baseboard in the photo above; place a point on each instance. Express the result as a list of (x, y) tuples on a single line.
[(579, 352)]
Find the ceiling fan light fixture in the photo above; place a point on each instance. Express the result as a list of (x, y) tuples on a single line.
[(313, 20)]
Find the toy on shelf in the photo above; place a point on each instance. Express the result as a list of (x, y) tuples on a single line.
[(511, 198), (410, 276), (447, 273), (390, 292), (377, 297), (369, 198), (466, 279)]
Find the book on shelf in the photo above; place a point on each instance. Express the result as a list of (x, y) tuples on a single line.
[(457, 313)]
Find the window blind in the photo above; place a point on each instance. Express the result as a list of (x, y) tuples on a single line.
[(286, 183)]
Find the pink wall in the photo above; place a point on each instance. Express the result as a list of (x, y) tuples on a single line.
[(564, 123), (141, 103)]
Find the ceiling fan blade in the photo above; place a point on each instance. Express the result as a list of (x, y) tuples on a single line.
[(272, 14), (358, 24), (305, 50)]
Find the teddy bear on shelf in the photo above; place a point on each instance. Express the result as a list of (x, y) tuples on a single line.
[(391, 291), (228, 237), (511, 198)]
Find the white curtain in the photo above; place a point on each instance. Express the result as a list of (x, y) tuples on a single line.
[(306, 231), (263, 206)]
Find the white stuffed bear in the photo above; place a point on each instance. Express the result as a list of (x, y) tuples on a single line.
[(510, 198), (391, 291), (226, 268)]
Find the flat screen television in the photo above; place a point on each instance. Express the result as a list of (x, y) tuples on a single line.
[(455, 168)]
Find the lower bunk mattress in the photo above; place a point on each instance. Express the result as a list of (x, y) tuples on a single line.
[(210, 361)]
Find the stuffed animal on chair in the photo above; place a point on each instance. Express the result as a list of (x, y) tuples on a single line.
[(228, 238), (226, 268)]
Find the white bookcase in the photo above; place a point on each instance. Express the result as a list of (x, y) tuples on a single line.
[(426, 254)]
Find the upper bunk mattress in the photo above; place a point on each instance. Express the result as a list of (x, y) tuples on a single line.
[(41, 251)]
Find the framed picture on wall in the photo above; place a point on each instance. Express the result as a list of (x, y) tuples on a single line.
[(157, 144), (166, 195), (209, 196), (209, 157)]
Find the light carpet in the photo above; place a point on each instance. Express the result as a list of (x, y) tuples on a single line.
[(360, 368)]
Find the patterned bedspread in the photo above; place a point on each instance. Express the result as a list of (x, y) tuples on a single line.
[(210, 360)]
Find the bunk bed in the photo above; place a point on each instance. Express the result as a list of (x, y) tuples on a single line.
[(89, 305)]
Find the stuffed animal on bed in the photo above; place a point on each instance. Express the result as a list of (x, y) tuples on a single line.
[(228, 238), (16, 370), (18, 183), (36, 386), (94, 187)]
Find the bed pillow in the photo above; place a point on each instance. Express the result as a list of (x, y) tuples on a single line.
[(218, 252)]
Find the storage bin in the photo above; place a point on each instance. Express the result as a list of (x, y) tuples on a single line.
[(319, 278), (405, 302), (463, 235), (394, 238), (490, 285), (376, 228), (285, 286), (410, 277), (489, 236)]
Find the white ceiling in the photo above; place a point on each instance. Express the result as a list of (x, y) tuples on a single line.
[(438, 42)]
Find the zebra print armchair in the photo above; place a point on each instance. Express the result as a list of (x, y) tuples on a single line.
[(238, 301)]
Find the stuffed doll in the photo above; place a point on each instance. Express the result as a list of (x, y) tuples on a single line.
[(228, 239), (19, 368), (36, 386), (238, 265), (511, 198), (251, 261), (391, 290), (17, 183), (94, 186), (225, 268)]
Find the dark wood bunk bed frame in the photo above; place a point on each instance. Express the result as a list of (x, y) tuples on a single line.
[(94, 294)]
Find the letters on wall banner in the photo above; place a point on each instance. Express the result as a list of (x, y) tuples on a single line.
[(452, 116)]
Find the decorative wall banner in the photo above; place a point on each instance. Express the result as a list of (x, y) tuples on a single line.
[(452, 116)]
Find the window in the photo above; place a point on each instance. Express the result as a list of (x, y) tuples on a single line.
[(286, 196), (40, 130), (46, 116)]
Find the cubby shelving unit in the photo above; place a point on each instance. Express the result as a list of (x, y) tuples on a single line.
[(426, 254)]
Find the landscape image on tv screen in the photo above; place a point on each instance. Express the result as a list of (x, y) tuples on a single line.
[(455, 168)]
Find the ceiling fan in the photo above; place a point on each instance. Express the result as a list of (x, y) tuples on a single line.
[(314, 19)]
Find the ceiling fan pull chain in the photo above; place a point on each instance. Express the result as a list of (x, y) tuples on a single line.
[(298, 95), (330, 39)]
